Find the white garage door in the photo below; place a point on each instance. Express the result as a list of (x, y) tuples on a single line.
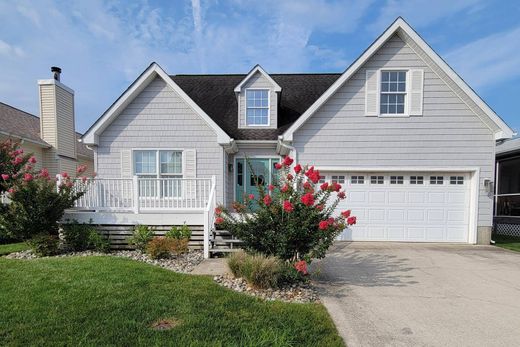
[(411, 207)]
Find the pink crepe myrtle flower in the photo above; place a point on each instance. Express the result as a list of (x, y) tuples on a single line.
[(27, 177), (270, 187), (218, 211), (251, 196), (64, 174), (308, 199), (17, 161), (5, 177), (301, 267), (219, 220), (290, 177), (287, 161), (287, 206), (81, 168), (346, 213), (284, 188), (278, 166), (268, 200), (342, 195), (351, 220), (298, 168), (32, 160), (323, 225)]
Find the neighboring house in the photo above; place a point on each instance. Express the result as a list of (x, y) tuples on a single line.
[(50, 137), (410, 141), (507, 188)]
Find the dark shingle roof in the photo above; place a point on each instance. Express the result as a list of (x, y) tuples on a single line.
[(20, 123), (215, 95)]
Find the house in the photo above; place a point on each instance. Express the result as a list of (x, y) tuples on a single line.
[(507, 188), (51, 137), (410, 141)]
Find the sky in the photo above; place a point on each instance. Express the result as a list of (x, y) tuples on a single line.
[(102, 46)]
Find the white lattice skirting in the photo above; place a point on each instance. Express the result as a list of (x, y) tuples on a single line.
[(507, 229)]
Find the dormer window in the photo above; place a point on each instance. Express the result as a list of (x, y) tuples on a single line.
[(257, 107)]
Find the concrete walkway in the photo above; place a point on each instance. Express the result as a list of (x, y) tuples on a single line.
[(388, 294), (212, 266)]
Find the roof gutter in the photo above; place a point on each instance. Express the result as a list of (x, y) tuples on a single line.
[(283, 147), (230, 147), (40, 143)]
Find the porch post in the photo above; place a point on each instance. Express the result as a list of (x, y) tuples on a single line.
[(135, 185)]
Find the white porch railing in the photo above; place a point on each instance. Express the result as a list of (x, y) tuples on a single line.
[(209, 216), (144, 194)]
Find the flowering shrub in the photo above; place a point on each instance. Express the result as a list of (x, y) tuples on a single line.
[(291, 219), (36, 203)]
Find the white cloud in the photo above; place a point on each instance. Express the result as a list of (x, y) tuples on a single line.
[(10, 51), (489, 60), (421, 13)]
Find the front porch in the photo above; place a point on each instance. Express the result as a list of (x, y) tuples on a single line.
[(156, 202)]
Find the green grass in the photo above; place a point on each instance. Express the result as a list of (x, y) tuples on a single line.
[(506, 242), (96, 301), (13, 247)]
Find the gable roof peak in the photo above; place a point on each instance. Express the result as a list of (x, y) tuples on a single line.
[(254, 70)]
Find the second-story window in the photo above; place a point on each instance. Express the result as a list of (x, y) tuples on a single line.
[(393, 92), (257, 107)]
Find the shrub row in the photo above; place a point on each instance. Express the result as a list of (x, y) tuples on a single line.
[(175, 241)]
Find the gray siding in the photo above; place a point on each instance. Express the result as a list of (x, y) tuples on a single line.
[(448, 134), (159, 118), (258, 81)]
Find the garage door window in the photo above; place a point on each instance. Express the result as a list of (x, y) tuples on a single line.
[(396, 179), (416, 179), (436, 180), (357, 179), (377, 179), (338, 179), (456, 180)]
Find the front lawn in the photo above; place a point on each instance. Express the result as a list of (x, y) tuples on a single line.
[(13, 247), (114, 301), (507, 242)]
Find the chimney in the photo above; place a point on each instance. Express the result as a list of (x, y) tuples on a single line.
[(56, 71), (57, 126)]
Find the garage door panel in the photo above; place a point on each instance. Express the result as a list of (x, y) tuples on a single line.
[(427, 210), (416, 215)]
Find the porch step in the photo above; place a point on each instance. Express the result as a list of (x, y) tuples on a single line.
[(223, 242)]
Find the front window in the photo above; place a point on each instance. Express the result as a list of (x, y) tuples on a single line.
[(257, 107), (152, 164), (393, 92)]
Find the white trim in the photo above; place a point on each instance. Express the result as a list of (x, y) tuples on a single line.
[(154, 70), (158, 161), (406, 113), (256, 69), (399, 24), (57, 83), (261, 108)]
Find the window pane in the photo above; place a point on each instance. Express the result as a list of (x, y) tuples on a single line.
[(171, 162), (391, 109), (385, 76), (509, 176), (144, 162), (400, 109), (393, 76), (508, 205), (393, 87), (402, 75), (384, 87), (401, 87)]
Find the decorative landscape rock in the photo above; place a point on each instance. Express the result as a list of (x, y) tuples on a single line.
[(300, 293), (183, 263)]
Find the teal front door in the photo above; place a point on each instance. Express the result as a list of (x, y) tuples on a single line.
[(252, 174)]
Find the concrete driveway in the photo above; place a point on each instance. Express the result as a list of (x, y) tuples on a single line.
[(395, 294)]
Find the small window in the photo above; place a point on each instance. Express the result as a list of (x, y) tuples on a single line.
[(171, 162), (145, 163), (393, 92), (396, 179), (357, 179), (456, 179), (416, 179), (377, 179), (436, 180), (338, 179), (257, 107)]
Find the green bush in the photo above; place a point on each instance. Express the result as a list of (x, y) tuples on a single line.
[(141, 235), (160, 247), (258, 270), (80, 237), (292, 219), (44, 245), (178, 233)]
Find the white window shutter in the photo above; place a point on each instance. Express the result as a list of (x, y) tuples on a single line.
[(371, 93), (126, 163), (189, 170), (416, 92)]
